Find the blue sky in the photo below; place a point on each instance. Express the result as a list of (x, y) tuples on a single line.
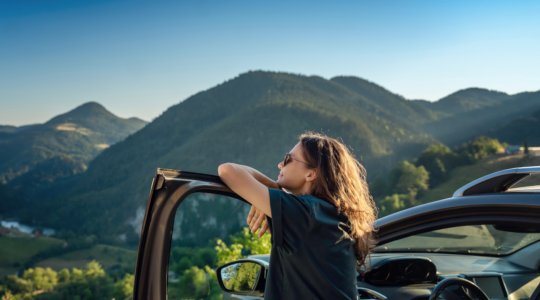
[(137, 58)]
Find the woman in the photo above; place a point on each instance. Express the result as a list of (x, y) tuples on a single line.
[(320, 214)]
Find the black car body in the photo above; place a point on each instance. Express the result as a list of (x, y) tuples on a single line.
[(487, 234)]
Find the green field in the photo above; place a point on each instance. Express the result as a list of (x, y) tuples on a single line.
[(109, 257), (16, 252), (463, 175)]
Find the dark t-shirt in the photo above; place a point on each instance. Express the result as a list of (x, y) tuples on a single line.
[(310, 259)]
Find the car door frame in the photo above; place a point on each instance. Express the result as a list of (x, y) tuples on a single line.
[(169, 188)]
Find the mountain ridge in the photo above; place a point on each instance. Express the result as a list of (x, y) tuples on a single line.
[(76, 136), (254, 118)]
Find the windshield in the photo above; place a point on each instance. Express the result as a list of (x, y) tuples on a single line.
[(469, 239)]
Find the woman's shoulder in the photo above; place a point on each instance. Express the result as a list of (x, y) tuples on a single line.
[(317, 203), (309, 201)]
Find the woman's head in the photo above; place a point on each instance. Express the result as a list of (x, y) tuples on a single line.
[(325, 168), (296, 174)]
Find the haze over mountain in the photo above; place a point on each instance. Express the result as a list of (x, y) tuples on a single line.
[(482, 112), (61, 147), (254, 119)]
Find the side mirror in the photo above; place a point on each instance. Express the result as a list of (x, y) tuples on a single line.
[(243, 277)]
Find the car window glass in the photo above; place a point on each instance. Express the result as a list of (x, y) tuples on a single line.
[(532, 181), (203, 224), (484, 239)]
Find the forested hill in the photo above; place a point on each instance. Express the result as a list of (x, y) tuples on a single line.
[(481, 112), (61, 147), (254, 119)]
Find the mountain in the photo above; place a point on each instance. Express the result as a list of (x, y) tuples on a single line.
[(467, 100), (61, 147), (480, 116), (7, 129), (520, 130), (254, 119), (386, 102), (9, 199)]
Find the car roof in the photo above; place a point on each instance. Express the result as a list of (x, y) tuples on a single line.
[(497, 182)]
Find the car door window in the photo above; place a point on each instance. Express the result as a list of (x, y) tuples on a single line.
[(203, 225)]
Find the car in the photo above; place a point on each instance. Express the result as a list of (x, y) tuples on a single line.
[(481, 243)]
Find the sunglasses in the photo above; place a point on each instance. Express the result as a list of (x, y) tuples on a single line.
[(288, 158)]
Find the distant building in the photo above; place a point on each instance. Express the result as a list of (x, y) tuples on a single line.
[(534, 151), (37, 233), (516, 149), (4, 231), (513, 149)]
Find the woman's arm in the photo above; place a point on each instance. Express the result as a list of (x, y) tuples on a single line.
[(249, 184)]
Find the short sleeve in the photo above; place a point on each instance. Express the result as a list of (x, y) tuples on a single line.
[(291, 217)]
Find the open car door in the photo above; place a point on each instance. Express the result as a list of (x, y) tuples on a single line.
[(183, 208)]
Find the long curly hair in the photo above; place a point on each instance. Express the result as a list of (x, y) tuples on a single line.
[(342, 181)]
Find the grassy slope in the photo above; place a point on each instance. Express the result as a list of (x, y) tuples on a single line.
[(462, 175), (15, 251), (107, 256)]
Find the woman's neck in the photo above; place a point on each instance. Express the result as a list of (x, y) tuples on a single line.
[(306, 189)]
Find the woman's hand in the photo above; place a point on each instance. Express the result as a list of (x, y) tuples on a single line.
[(256, 220)]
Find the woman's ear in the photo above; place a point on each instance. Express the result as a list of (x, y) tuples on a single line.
[(311, 175)]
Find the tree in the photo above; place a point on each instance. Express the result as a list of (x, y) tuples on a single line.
[(437, 159), (182, 258), (64, 275), (392, 203), (405, 183), (252, 243), (227, 253), (7, 295), (90, 283), (479, 149), (246, 277), (123, 289), (194, 283), (47, 284), (34, 281), (408, 178), (41, 279)]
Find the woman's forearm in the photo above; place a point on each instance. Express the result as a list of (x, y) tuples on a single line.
[(249, 184), (261, 177)]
